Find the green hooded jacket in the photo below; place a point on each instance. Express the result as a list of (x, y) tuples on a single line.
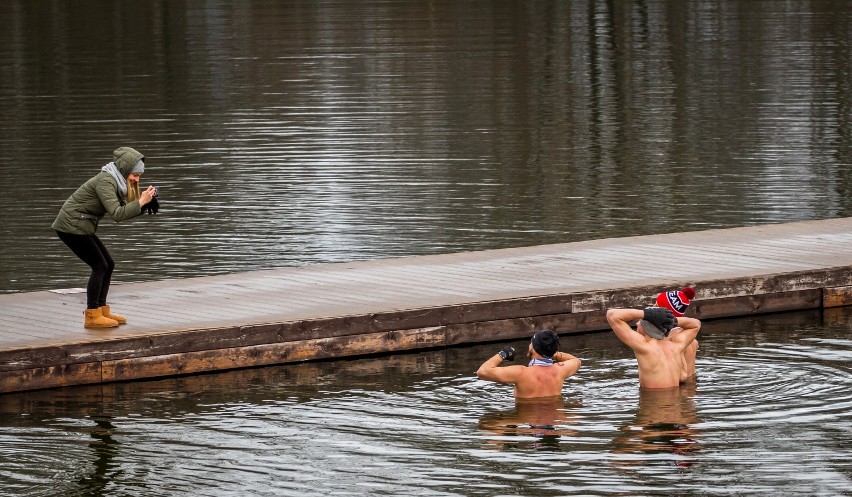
[(85, 207)]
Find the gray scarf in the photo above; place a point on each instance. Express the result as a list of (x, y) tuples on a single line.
[(119, 179)]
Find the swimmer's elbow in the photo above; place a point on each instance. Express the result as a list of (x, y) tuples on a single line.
[(691, 324), (482, 374), (489, 373), (614, 316)]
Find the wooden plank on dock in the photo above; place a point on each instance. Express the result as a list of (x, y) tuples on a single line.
[(333, 310), (837, 296)]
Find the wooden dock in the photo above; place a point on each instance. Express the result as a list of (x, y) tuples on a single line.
[(337, 310)]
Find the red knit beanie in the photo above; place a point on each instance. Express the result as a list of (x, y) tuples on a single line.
[(676, 301)]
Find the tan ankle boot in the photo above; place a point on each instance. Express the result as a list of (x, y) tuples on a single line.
[(115, 317), (94, 319)]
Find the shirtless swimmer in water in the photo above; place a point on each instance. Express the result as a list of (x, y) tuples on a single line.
[(662, 350), (543, 376), (678, 302)]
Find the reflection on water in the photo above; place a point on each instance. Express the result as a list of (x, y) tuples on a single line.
[(530, 424), (771, 410), (105, 449), (664, 424), (286, 133)]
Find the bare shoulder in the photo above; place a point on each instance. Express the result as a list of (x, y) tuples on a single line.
[(683, 338), (646, 345), (569, 367)]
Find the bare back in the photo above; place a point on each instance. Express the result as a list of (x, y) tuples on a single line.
[(531, 381), (541, 381), (661, 364)]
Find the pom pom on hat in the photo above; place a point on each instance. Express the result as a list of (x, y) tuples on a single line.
[(676, 301)]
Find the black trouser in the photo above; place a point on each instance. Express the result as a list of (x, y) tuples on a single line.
[(91, 250)]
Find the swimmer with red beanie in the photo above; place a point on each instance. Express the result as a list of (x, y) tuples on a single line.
[(664, 340), (678, 301)]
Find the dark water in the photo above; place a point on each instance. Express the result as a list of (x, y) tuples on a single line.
[(771, 413), (288, 133)]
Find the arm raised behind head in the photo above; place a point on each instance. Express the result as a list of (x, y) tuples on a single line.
[(491, 371), (689, 328), (567, 361), (618, 319)]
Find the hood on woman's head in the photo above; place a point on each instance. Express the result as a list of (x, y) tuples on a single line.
[(126, 159)]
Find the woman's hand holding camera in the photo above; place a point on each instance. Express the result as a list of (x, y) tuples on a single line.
[(146, 196), (148, 200)]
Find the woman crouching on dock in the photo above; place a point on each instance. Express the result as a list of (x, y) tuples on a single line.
[(114, 190)]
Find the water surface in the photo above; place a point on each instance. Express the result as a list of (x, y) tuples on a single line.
[(772, 412), (288, 133)]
